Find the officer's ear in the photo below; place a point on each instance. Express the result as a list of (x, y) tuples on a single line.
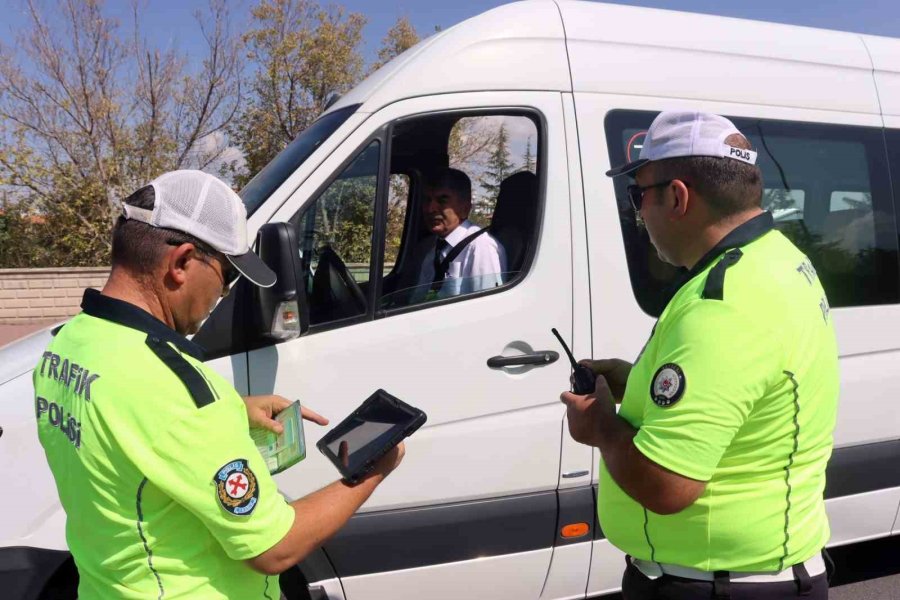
[(179, 260), (680, 199)]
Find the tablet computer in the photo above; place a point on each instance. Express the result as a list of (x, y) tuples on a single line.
[(379, 424)]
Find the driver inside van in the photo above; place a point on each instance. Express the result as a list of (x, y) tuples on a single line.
[(459, 257)]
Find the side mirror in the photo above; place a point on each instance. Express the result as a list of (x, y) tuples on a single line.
[(282, 311)]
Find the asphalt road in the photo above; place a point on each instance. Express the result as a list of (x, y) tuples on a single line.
[(867, 571)]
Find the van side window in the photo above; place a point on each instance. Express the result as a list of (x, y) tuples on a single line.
[(492, 186), (367, 245), (335, 235), (828, 189), (892, 137)]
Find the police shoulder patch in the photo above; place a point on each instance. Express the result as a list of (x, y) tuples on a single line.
[(668, 385), (236, 488)]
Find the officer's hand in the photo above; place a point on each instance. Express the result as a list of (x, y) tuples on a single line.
[(616, 372), (586, 413), (387, 463), (261, 409), (312, 416)]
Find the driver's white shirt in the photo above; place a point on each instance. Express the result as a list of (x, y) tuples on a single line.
[(479, 266)]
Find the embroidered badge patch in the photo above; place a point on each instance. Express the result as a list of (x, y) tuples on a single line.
[(668, 385), (236, 488)]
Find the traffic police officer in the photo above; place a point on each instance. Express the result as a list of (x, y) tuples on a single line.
[(166, 495), (713, 470)]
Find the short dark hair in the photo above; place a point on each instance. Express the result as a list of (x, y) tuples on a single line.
[(452, 179), (138, 246), (729, 186)]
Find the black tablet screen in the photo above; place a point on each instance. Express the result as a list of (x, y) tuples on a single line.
[(366, 433)]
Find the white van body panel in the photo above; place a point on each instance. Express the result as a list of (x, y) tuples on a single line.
[(862, 517), (518, 46), (21, 355), (885, 53), (607, 566), (576, 458), (569, 569), (626, 50), (868, 411), (29, 489)]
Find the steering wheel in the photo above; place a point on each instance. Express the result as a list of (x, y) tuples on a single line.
[(335, 294)]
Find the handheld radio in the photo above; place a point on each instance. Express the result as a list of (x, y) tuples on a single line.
[(584, 378)]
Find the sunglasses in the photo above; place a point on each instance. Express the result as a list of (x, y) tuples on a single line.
[(636, 192)]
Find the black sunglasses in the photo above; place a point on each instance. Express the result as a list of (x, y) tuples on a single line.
[(636, 192)]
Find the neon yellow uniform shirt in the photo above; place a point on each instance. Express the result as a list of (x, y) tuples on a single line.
[(165, 493), (737, 387)]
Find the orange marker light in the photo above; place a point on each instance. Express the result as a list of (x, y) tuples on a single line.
[(574, 530)]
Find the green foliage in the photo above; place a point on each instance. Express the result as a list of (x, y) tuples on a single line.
[(399, 38), (347, 216), (35, 238), (396, 218), (304, 54), (88, 114), (499, 167)]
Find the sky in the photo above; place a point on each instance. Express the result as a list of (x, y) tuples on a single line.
[(172, 22)]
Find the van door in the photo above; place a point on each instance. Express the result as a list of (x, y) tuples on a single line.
[(476, 494)]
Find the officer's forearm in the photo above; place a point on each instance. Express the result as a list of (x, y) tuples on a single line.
[(317, 517), (654, 487)]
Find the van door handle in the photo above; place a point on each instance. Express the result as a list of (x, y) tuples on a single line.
[(542, 357)]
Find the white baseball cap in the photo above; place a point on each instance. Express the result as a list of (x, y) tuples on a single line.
[(676, 134), (201, 205)]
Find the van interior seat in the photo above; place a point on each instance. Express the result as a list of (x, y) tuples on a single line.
[(515, 217)]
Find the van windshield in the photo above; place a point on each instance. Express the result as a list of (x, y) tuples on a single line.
[(288, 160)]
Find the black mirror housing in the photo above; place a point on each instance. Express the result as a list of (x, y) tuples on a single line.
[(282, 312)]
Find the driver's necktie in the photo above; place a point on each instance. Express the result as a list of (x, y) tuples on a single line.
[(440, 269)]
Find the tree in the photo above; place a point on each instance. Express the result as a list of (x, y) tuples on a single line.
[(304, 54), (528, 162), (469, 149), (401, 37), (88, 115), (498, 168), (470, 141)]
